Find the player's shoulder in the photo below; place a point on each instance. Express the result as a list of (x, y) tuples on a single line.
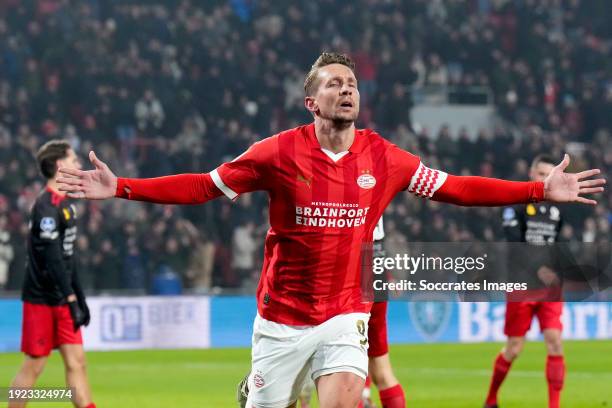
[(43, 200), (372, 136), (371, 140), (290, 140), (49, 201), (45, 211)]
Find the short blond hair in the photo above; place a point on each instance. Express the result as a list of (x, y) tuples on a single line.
[(326, 58)]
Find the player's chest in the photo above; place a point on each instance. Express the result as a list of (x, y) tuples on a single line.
[(542, 223), (68, 217), (318, 178)]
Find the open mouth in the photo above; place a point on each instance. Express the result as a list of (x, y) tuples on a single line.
[(346, 104)]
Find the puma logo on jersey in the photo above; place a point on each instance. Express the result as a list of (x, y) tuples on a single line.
[(303, 179)]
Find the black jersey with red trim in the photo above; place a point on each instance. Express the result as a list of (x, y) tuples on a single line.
[(50, 271)]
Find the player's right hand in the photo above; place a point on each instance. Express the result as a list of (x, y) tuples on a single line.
[(78, 317), (97, 184)]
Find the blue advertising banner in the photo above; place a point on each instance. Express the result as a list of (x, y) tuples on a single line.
[(10, 324), (231, 321), (425, 322), (228, 322)]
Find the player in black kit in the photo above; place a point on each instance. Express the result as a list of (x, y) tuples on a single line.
[(536, 224), (54, 306)]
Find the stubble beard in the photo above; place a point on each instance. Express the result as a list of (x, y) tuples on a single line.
[(343, 121)]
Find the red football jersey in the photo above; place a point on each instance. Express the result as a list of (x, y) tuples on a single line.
[(321, 213)]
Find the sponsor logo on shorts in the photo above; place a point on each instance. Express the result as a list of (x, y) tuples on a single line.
[(258, 380)]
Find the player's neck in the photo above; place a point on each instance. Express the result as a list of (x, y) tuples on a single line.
[(52, 185), (333, 136)]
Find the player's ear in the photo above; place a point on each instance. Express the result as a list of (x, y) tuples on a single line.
[(58, 164), (311, 104)]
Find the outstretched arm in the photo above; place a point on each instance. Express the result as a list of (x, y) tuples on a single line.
[(558, 187), (100, 183), (488, 192)]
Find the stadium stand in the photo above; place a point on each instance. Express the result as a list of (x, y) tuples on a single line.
[(163, 87)]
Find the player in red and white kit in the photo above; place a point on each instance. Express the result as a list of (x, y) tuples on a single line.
[(379, 365), (379, 368), (380, 371), (328, 184)]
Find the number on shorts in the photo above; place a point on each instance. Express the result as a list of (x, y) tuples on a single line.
[(361, 328)]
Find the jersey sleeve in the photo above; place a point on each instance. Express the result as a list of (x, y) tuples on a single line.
[(413, 175), (175, 189), (248, 172), (404, 167), (47, 226)]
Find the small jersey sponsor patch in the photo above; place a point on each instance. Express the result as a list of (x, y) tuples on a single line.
[(66, 214), (258, 380), (366, 181), (509, 214), (531, 210), (555, 215), (47, 224)]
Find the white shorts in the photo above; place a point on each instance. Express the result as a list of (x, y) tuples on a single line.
[(285, 356)]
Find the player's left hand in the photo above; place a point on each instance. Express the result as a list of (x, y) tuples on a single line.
[(561, 187), (85, 310), (77, 315)]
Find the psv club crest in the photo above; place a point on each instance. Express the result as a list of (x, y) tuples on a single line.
[(366, 180), (258, 379)]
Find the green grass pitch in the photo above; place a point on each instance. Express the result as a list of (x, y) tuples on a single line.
[(433, 375)]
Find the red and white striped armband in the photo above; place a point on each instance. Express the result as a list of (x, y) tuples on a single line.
[(425, 181)]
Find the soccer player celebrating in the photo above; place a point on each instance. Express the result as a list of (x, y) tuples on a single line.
[(328, 184), (389, 389), (54, 306), (533, 225)]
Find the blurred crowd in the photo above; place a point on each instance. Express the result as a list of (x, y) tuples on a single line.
[(160, 87)]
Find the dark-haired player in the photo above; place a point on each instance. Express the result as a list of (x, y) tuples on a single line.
[(533, 224), (328, 184), (54, 306), (380, 371)]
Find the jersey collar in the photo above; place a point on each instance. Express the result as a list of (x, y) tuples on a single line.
[(359, 142), (56, 198)]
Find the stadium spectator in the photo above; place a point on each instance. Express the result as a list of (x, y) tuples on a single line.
[(149, 114), (82, 71), (6, 250), (243, 250)]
